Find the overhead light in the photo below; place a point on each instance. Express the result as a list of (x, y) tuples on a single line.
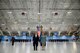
[(55, 13), (25, 12), (2, 24), (69, 12), (10, 12), (75, 24), (39, 13)]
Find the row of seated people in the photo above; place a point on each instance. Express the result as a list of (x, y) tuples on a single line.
[(29, 38), (53, 35)]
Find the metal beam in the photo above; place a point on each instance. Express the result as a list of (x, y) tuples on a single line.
[(39, 9), (39, 5)]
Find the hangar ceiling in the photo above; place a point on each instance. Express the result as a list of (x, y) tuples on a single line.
[(24, 14)]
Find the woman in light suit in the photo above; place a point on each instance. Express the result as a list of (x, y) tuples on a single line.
[(43, 40)]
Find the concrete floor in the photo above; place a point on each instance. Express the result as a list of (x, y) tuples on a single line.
[(51, 47)]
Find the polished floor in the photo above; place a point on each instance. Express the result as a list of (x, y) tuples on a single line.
[(51, 47)]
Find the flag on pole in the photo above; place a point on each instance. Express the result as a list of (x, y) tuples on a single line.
[(38, 31)]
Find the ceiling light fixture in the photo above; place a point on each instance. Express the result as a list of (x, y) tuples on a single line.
[(10, 12), (2, 24), (55, 13), (76, 24), (25, 12), (68, 12), (39, 13)]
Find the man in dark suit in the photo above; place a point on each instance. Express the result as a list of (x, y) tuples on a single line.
[(13, 41), (35, 41)]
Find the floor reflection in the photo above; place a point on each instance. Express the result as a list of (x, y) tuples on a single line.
[(51, 47)]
